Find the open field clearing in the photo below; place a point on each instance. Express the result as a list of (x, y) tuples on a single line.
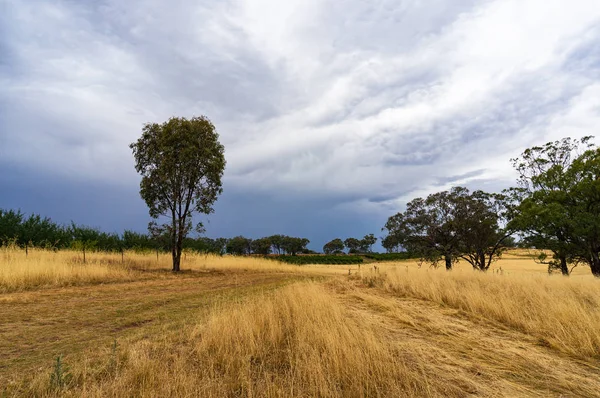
[(251, 327)]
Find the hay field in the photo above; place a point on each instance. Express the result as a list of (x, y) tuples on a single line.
[(250, 327)]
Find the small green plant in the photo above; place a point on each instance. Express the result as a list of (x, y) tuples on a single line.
[(113, 361), (60, 376)]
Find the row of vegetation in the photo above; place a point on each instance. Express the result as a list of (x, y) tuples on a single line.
[(389, 256), (326, 259)]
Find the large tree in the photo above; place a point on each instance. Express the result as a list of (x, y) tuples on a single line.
[(482, 239), (450, 225), (427, 228), (583, 209), (541, 204), (182, 163)]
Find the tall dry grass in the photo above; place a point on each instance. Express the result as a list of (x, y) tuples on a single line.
[(46, 268), (296, 342), (562, 312)]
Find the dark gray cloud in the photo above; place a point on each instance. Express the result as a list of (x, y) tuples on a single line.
[(333, 114)]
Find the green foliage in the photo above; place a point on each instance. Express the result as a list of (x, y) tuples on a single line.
[(450, 225), (239, 246), (366, 243), (327, 259), (60, 376), (293, 246), (353, 245), (335, 246), (390, 256), (277, 243), (261, 246), (182, 163), (555, 205)]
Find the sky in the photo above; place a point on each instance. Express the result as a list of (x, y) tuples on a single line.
[(333, 114)]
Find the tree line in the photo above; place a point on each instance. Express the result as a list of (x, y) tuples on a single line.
[(353, 245), (18, 229), (24, 231), (554, 207)]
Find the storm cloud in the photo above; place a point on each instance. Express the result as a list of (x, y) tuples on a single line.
[(333, 114)]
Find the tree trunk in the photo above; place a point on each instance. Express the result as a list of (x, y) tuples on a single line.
[(84, 254), (595, 265), (564, 268), (175, 258), (177, 254), (448, 262)]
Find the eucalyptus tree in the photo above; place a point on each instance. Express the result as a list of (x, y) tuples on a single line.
[(334, 246), (366, 243), (353, 245), (239, 246), (450, 225), (261, 246), (583, 209), (181, 163), (542, 204)]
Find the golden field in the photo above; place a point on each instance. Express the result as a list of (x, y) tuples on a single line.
[(248, 327)]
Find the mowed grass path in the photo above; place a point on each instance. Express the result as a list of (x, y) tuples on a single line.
[(37, 326)]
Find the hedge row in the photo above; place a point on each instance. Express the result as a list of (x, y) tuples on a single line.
[(389, 256), (302, 260)]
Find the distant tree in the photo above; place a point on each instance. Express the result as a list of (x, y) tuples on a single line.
[(353, 245), (261, 246), (239, 246), (181, 162), (36, 231), (84, 238), (220, 245), (335, 246), (277, 242), (366, 243), (10, 225), (293, 246), (136, 241)]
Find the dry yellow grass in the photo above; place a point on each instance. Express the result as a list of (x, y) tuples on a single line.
[(562, 312), (46, 268), (232, 326)]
